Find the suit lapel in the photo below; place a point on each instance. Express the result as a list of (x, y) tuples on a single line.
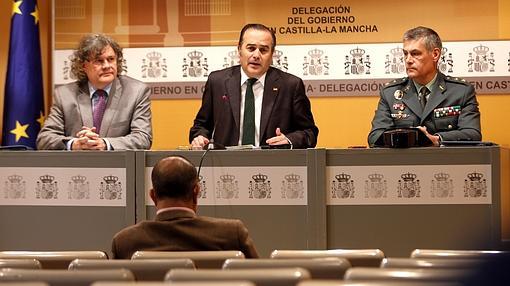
[(271, 89), (233, 86), (111, 107), (436, 97), (85, 105), (411, 98)]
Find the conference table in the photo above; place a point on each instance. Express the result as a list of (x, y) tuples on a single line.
[(392, 199)]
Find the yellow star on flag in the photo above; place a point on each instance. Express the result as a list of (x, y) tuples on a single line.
[(41, 119), (36, 15), (20, 131), (15, 7)]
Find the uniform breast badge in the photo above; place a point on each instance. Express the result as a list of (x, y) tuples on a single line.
[(447, 111), (399, 115), (398, 94), (399, 106)]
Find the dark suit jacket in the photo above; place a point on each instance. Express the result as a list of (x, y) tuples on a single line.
[(126, 121), (284, 105), (180, 230), (451, 110)]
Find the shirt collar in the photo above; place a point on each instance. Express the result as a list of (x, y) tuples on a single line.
[(245, 77), (428, 85), (92, 89), (175, 209)]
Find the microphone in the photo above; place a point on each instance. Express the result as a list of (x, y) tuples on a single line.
[(213, 145)]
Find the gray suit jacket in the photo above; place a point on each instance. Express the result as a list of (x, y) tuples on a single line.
[(451, 110), (180, 230), (126, 122)]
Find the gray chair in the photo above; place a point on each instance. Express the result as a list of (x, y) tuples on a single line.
[(357, 257), (202, 259), (53, 259), (442, 253), (65, 277), (142, 269), (261, 277), (25, 284), (373, 283), (406, 274), (441, 263), (153, 283), (319, 268), (20, 263)]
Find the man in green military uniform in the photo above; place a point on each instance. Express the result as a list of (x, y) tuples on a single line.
[(442, 107)]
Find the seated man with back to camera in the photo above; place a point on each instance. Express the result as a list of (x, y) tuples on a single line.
[(102, 110), (177, 227), (254, 103), (442, 107)]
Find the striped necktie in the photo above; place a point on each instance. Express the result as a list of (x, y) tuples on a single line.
[(99, 108)]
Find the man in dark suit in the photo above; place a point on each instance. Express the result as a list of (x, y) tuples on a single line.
[(102, 110), (177, 227), (442, 107), (254, 103)]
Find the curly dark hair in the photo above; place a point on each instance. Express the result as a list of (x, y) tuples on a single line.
[(91, 47)]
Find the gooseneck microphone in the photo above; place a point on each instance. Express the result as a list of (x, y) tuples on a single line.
[(211, 145)]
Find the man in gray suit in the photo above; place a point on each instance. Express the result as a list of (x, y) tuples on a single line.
[(442, 107), (102, 110), (177, 227)]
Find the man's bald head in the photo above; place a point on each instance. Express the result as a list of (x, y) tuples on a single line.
[(174, 177)]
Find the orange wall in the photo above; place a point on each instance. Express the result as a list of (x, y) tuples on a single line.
[(342, 121)]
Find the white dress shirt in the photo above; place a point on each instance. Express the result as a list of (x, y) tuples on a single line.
[(258, 92)]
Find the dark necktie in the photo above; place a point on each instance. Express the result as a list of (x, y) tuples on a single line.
[(424, 91), (99, 108), (249, 114)]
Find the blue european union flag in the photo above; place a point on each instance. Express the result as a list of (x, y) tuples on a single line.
[(23, 98)]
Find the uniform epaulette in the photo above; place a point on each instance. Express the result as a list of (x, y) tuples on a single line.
[(456, 79), (394, 82)]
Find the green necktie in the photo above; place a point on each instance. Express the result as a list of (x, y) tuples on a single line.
[(424, 91), (249, 114)]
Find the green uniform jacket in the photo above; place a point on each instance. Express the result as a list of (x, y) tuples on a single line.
[(451, 111)]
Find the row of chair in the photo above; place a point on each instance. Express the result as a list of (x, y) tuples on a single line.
[(427, 265), (215, 259)]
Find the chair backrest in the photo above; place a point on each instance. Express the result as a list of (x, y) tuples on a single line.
[(153, 283), (406, 274), (442, 253), (357, 257), (21, 263), (373, 283), (142, 269), (261, 277), (442, 263), (202, 259), (25, 284), (319, 268), (65, 277), (54, 259)]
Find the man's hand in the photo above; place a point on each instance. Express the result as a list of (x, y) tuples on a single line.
[(433, 138), (88, 139), (199, 142), (279, 139)]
